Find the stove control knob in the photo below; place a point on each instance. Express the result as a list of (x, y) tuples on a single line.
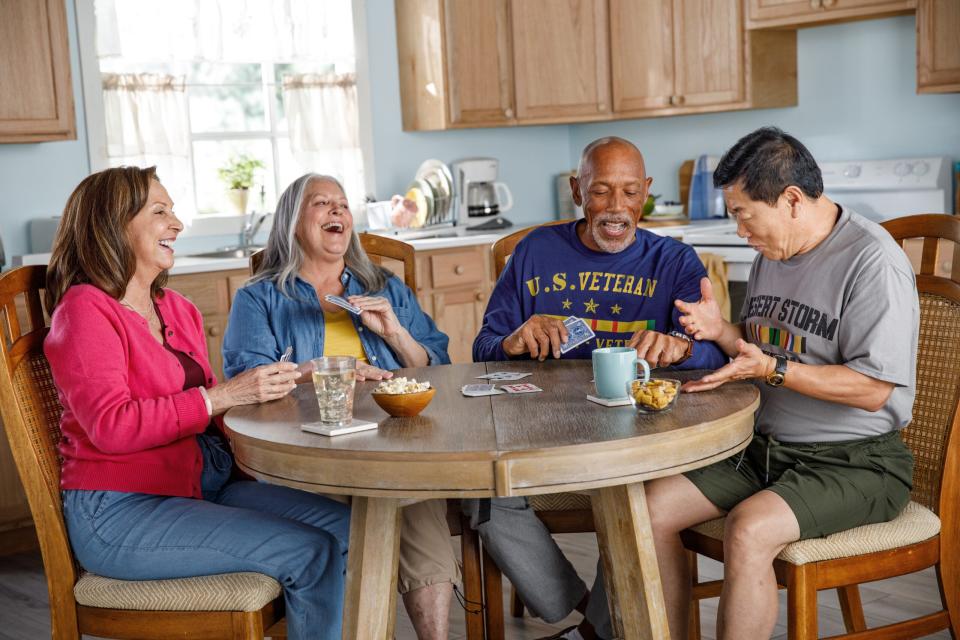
[(851, 171), (921, 168), (902, 169)]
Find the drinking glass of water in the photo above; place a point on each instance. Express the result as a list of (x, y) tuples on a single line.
[(334, 378)]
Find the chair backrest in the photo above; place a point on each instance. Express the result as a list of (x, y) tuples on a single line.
[(932, 434), (31, 416), (377, 248), (503, 248)]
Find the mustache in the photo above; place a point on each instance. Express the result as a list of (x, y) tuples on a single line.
[(613, 217)]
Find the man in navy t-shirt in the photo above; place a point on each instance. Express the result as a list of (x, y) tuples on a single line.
[(622, 281)]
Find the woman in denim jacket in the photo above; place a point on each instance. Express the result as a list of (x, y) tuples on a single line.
[(312, 252)]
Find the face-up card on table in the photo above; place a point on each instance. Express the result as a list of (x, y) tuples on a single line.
[(505, 376), (578, 332), (477, 390), (523, 387), (342, 302)]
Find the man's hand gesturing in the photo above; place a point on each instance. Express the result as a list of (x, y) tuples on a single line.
[(702, 320), (539, 336)]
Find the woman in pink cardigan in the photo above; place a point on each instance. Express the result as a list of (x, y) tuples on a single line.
[(145, 479)]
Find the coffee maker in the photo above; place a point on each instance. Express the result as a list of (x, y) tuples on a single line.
[(480, 198)]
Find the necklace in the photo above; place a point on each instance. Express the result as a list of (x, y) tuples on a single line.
[(150, 315)]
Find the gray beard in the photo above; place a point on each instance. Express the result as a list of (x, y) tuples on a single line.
[(606, 245)]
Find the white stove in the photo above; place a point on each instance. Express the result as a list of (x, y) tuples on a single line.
[(877, 189)]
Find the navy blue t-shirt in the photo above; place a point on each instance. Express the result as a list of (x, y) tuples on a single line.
[(553, 273)]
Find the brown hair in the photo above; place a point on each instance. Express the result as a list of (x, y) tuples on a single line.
[(91, 245)]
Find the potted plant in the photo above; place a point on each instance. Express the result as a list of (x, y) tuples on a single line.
[(237, 174)]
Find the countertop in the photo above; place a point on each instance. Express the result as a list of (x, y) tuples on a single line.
[(449, 238)]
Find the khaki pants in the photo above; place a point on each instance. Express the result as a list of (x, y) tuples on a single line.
[(426, 553)]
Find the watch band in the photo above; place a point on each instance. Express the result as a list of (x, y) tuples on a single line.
[(688, 340), (779, 375)]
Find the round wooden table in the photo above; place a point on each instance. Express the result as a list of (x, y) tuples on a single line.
[(504, 445)]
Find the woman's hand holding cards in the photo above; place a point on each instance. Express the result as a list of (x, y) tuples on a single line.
[(539, 336)]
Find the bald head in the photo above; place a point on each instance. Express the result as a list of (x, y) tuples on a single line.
[(625, 151), (611, 186)]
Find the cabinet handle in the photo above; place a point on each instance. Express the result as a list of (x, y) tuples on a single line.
[(678, 100), (459, 269), (213, 330), (479, 296), (671, 100), (508, 112)]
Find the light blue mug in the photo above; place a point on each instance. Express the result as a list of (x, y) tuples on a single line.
[(614, 367)]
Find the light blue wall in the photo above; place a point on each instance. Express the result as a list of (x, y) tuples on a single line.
[(35, 179), (857, 101), (529, 157)]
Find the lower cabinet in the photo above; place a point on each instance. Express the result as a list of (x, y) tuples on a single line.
[(453, 286)]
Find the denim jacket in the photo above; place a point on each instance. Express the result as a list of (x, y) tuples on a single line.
[(264, 322)]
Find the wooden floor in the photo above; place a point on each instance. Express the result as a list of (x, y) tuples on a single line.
[(24, 614)]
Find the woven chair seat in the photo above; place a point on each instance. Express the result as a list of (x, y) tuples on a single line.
[(560, 502), (245, 591), (915, 524)]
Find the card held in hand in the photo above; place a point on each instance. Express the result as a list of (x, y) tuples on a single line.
[(342, 302), (578, 332)]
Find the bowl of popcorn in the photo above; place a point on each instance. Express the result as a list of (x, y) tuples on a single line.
[(402, 397), (655, 395)]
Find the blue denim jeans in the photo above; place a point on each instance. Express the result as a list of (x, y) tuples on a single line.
[(298, 538)]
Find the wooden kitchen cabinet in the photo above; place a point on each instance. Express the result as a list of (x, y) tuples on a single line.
[(453, 286), (560, 59), (673, 57), (212, 292), (763, 14), (938, 46), (35, 60)]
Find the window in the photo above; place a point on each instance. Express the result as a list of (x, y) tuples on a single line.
[(188, 84)]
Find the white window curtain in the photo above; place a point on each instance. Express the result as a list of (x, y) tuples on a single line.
[(147, 124), (324, 134)]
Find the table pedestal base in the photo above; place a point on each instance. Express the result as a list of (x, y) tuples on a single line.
[(630, 570), (370, 601)]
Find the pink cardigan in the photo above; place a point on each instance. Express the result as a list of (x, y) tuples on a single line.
[(127, 423)]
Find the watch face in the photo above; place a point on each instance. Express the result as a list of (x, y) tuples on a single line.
[(775, 379)]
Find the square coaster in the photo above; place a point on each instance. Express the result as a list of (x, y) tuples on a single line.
[(610, 402), (331, 430)]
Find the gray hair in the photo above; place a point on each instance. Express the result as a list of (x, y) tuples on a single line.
[(283, 255)]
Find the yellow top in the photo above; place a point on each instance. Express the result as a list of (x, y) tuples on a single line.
[(341, 337)]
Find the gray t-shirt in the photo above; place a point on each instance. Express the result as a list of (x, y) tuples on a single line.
[(851, 300)]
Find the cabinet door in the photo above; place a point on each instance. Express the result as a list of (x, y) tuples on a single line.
[(479, 72), (560, 58), (641, 54), (787, 13), (34, 58), (938, 46), (778, 9), (459, 314), (708, 48)]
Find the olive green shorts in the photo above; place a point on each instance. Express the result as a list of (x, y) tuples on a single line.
[(830, 486)]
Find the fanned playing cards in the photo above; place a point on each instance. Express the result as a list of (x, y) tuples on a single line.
[(578, 332)]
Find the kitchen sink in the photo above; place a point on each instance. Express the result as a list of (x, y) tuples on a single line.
[(229, 252)]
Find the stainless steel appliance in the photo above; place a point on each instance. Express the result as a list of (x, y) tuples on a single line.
[(480, 198)]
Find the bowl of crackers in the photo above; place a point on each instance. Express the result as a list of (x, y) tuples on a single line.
[(402, 397), (654, 396)]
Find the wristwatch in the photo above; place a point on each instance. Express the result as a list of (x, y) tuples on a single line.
[(779, 375), (689, 341)]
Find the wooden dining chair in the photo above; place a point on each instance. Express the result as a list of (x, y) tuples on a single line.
[(381, 250), (927, 533), (236, 605)]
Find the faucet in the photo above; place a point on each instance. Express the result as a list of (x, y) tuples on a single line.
[(251, 227)]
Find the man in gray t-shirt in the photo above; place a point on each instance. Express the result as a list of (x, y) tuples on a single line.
[(829, 333)]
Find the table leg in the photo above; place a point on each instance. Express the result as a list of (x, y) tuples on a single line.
[(631, 574), (370, 601)]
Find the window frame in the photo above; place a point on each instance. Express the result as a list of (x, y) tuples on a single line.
[(218, 223)]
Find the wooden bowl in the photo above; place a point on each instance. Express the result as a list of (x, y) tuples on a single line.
[(404, 405)]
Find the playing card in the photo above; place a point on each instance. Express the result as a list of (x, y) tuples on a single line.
[(342, 302), (505, 376), (476, 390), (577, 333), (523, 387)]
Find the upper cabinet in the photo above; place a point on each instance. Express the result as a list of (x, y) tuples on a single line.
[(938, 46), (795, 13), (560, 59), (506, 62), (35, 59)]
